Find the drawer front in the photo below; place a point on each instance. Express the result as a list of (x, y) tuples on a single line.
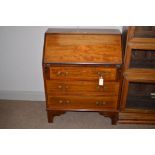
[(84, 73), (82, 87), (76, 102)]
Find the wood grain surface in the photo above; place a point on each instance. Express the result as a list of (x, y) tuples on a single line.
[(83, 48), (84, 88), (83, 73), (82, 103)]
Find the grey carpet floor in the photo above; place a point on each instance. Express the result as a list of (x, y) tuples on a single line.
[(32, 115)]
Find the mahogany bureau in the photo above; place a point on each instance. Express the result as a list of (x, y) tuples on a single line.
[(81, 71)]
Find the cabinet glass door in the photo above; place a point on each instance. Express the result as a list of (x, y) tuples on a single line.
[(144, 32), (142, 59), (141, 96)]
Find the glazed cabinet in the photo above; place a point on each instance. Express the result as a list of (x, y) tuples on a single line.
[(138, 91)]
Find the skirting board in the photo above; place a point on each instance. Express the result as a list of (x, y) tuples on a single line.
[(22, 95)]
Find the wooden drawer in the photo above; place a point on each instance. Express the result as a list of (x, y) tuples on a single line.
[(82, 73), (82, 103), (82, 87)]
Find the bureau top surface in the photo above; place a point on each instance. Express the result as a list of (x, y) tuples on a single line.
[(82, 31), (88, 46)]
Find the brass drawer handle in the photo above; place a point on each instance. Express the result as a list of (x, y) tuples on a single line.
[(104, 88), (98, 87), (67, 101), (99, 103), (60, 86), (102, 73), (103, 103), (61, 101), (59, 73)]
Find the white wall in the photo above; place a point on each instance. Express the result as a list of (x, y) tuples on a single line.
[(20, 62)]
